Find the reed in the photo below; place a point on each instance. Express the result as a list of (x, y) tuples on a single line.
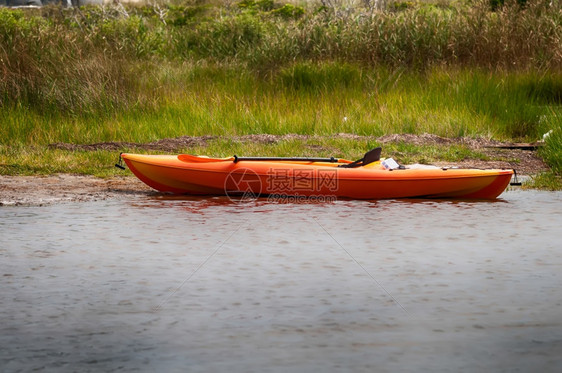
[(93, 74), (89, 59), (307, 98)]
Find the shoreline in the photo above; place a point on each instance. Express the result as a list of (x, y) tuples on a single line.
[(61, 188), (67, 187)]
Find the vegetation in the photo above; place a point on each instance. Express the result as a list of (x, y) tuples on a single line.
[(138, 74)]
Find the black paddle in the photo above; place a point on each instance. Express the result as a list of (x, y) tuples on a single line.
[(295, 159), (369, 157), (235, 159)]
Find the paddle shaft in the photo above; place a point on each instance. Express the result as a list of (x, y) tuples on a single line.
[(286, 159)]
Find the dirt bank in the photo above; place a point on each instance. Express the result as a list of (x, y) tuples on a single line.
[(44, 190), (34, 190)]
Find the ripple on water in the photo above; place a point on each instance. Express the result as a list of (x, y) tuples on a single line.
[(209, 284)]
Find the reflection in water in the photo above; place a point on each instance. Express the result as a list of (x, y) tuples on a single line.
[(208, 284)]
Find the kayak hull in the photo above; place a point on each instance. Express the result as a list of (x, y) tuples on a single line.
[(209, 176)]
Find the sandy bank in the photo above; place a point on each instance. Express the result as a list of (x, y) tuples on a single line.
[(43, 190)]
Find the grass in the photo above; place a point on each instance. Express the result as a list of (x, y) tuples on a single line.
[(45, 161), (139, 74), (100, 59), (371, 102), (544, 181), (443, 102), (552, 153)]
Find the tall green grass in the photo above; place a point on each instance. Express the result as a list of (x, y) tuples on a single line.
[(552, 152), (90, 59), (307, 99), (95, 74)]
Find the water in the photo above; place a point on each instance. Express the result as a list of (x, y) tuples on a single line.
[(146, 283)]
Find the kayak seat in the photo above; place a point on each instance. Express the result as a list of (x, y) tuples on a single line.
[(369, 157)]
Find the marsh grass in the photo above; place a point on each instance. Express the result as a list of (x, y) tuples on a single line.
[(99, 59), (544, 181), (552, 151), (306, 100), (138, 74)]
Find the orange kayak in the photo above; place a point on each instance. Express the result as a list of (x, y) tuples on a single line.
[(188, 174)]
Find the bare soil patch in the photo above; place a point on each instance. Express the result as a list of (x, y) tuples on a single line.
[(33, 190), (45, 190), (185, 142)]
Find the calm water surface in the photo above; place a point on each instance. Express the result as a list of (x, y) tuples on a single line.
[(145, 283)]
